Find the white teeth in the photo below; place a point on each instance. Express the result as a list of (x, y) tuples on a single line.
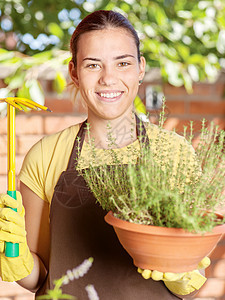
[(110, 95)]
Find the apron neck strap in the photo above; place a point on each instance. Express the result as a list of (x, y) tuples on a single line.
[(79, 140)]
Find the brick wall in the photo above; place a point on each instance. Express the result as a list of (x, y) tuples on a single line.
[(207, 101)]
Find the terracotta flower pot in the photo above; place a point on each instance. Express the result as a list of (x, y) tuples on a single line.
[(164, 249)]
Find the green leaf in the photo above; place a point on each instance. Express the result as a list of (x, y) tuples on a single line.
[(221, 19), (195, 59), (151, 45), (59, 82), (183, 50), (160, 15), (55, 29), (193, 71), (4, 92), (3, 51), (211, 71), (36, 92), (125, 7), (12, 61), (5, 55), (16, 81), (67, 60), (169, 52), (66, 296), (187, 82), (23, 92), (185, 14), (174, 73), (43, 56)]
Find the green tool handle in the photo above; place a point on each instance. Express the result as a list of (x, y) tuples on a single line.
[(12, 249)]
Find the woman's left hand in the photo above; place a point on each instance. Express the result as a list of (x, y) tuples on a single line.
[(180, 283)]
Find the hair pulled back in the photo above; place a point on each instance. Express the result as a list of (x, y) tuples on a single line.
[(99, 20)]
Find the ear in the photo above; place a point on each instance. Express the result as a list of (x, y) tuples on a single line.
[(73, 73), (142, 65)]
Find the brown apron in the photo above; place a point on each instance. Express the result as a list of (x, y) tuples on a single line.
[(78, 231)]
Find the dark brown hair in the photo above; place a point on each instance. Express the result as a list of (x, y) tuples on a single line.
[(99, 20)]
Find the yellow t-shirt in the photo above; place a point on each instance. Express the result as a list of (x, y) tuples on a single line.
[(49, 157)]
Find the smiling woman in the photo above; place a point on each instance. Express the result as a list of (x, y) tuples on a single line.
[(107, 71), (64, 223)]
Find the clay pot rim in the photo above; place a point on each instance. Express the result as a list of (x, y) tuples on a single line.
[(150, 229)]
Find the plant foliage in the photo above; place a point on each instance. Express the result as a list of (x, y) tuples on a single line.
[(154, 190), (184, 38), (24, 74)]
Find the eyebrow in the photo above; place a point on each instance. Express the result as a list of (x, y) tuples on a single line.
[(115, 58)]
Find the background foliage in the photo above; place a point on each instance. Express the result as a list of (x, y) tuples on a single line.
[(184, 38)]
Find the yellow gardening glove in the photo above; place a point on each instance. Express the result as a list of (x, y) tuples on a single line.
[(12, 229), (179, 283)]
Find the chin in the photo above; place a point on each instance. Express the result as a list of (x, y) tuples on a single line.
[(113, 116)]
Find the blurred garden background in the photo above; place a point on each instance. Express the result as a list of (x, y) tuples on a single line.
[(183, 42)]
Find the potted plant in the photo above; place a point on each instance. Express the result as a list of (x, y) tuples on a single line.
[(164, 212)]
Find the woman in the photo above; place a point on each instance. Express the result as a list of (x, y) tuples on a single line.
[(63, 222)]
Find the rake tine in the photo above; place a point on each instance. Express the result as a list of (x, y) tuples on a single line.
[(25, 102), (31, 106), (10, 102)]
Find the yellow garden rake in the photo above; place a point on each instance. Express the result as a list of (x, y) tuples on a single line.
[(12, 249)]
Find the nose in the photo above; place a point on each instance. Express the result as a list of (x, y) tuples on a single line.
[(108, 77)]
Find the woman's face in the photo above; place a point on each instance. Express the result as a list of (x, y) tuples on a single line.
[(108, 72)]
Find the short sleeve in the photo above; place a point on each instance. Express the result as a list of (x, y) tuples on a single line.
[(44, 163)]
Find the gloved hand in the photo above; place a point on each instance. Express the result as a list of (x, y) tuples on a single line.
[(179, 283), (12, 229)]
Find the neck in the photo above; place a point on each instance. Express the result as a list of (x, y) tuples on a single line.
[(116, 133)]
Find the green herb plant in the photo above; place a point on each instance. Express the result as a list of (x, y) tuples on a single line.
[(154, 189)]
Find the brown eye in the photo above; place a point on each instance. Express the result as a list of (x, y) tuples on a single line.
[(93, 66), (123, 64)]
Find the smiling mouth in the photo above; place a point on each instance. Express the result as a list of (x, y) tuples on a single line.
[(110, 97)]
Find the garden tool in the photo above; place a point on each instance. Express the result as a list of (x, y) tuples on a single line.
[(12, 249)]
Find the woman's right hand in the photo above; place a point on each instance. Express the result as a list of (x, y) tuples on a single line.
[(180, 283), (12, 229)]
